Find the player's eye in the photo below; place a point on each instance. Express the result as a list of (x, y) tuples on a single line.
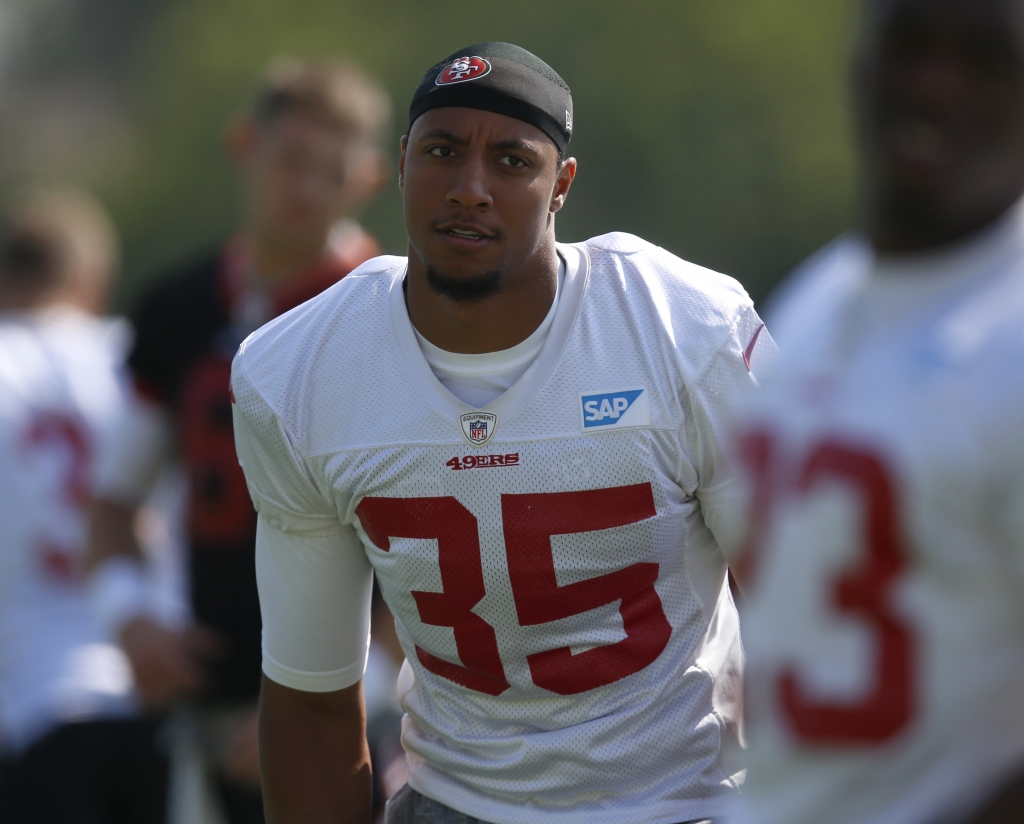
[(513, 161), (441, 151)]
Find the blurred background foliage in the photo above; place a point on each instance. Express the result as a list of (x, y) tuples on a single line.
[(716, 128)]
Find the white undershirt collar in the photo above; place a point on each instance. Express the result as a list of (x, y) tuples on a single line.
[(480, 378), (489, 363)]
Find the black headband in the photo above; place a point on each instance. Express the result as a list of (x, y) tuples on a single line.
[(500, 78)]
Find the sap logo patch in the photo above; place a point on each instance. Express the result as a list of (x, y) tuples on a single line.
[(622, 409)]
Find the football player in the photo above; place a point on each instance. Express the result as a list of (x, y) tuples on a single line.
[(524, 440), (309, 156), (72, 746), (885, 571)]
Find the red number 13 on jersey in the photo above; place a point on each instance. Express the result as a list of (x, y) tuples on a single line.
[(862, 592)]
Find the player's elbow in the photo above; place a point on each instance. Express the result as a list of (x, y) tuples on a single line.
[(295, 718)]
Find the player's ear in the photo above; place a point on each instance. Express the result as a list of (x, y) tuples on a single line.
[(401, 163), (563, 180), (239, 138)]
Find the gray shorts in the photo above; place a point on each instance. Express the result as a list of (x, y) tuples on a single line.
[(409, 807)]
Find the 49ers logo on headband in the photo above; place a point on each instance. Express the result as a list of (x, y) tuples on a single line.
[(463, 69)]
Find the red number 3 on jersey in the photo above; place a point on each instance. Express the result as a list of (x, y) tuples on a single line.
[(862, 592), (529, 521)]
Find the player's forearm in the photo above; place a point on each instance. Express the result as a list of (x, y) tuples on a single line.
[(313, 755), (120, 590), (1006, 808)]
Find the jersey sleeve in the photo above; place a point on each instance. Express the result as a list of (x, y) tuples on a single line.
[(313, 576), (713, 402), (1008, 504), (315, 600)]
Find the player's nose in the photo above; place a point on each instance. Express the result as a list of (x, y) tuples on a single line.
[(469, 189)]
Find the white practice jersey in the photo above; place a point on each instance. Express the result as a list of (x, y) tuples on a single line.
[(842, 264), (550, 560), (884, 586), (59, 396)]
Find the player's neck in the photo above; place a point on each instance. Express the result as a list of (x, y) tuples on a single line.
[(30, 300), (892, 233), (272, 263), (493, 324)]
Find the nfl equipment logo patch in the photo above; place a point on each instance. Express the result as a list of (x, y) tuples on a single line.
[(479, 427), (463, 69)]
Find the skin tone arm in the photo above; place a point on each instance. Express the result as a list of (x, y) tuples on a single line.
[(166, 663), (1006, 808), (316, 764)]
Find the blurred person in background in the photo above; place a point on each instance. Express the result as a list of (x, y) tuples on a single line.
[(884, 619), (73, 746), (309, 156)]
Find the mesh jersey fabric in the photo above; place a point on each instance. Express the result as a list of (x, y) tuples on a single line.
[(899, 700), (573, 647), (60, 398)]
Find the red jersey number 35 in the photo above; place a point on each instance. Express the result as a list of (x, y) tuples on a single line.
[(528, 522)]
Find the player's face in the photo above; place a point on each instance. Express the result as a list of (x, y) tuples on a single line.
[(301, 177), (480, 193), (940, 87)]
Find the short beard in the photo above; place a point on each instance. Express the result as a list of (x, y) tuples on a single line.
[(465, 290)]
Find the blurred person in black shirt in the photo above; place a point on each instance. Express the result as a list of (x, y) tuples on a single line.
[(73, 746), (309, 156)]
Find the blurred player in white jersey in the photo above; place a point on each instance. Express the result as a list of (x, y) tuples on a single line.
[(73, 748), (524, 440), (884, 574)]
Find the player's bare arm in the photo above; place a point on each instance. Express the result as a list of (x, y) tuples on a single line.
[(166, 663), (316, 767), (1006, 808)]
